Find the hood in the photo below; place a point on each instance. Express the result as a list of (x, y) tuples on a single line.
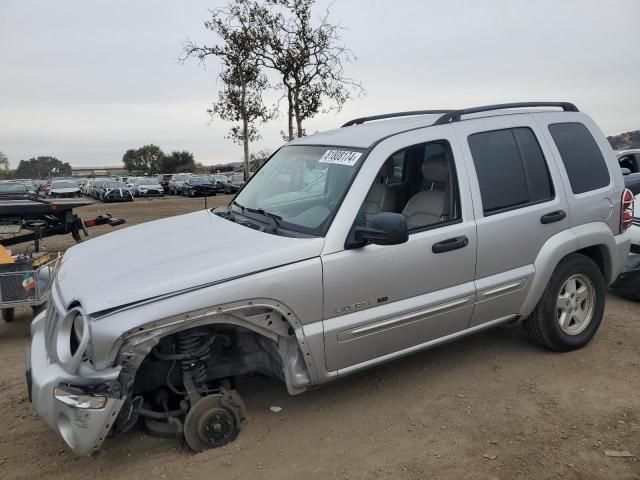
[(149, 186), (169, 255)]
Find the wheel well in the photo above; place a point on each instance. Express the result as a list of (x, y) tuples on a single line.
[(258, 339), (597, 253), (231, 351)]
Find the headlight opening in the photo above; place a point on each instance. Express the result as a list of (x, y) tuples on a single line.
[(72, 339)]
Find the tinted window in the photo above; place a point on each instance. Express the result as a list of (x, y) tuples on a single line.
[(581, 156), (511, 169)]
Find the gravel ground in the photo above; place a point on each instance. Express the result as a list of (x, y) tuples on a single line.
[(491, 406)]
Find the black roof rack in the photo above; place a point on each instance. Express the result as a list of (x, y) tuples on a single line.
[(358, 121), (455, 115)]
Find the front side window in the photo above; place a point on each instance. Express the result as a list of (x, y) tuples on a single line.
[(302, 185), (419, 182), (511, 169), (581, 156)]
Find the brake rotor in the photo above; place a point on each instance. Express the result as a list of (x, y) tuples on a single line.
[(213, 421)]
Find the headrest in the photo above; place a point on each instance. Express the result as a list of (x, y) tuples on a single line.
[(435, 169)]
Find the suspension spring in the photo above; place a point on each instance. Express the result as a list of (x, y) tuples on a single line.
[(196, 346)]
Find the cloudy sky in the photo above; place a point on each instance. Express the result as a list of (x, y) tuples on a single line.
[(86, 80)]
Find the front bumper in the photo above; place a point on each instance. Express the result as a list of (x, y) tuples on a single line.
[(82, 429), (151, 193)]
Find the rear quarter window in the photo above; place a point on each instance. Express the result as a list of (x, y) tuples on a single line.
[(581, 156)]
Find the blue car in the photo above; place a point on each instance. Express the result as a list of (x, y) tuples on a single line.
[(195, 186)]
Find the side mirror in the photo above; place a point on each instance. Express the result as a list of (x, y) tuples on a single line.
[(625, 171), (383, 228)]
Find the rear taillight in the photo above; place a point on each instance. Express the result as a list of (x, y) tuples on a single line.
[(626, 212)]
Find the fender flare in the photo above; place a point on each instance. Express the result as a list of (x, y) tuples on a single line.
[(562, 244)]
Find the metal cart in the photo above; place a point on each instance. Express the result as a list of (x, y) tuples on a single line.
[(27, 283)]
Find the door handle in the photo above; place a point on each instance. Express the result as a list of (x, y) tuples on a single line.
[(552, 217), (450, 244)]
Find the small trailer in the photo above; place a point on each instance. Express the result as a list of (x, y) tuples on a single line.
[(25, 279), (30, 219), (26, 282)]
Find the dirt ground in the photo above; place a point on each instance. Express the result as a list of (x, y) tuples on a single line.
[(491, 406)]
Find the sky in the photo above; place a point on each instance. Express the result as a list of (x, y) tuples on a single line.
[(86, 80)]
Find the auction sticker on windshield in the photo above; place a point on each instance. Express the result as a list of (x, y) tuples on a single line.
[(340, 157)]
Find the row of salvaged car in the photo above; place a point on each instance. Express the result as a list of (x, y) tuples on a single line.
[(112, 189), (187, 184)]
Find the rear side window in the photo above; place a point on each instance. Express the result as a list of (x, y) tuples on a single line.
[(511, 169), (581, 156)]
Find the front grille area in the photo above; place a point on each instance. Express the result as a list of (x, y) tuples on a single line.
[(636, 221)]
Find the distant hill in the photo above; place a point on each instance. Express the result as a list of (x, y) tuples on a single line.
[(625, 140)]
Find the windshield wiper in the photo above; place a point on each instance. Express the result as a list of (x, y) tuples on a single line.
[(276, 218), (238, 205), (271, 218)]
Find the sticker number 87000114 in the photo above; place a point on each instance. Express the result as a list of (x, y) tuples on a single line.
[(340, 157)]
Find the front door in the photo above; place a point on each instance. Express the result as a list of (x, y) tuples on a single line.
[(382, 301)]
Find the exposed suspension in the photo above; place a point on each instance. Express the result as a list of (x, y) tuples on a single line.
[(193, 347)]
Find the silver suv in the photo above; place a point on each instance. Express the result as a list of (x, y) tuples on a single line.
[(177, 182), (346, 249)]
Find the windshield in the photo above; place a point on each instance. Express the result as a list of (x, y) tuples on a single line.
[(114, 185), (220, 178), (304, 185), (193, 180), (12, 188), (64, 185), (147, 181)]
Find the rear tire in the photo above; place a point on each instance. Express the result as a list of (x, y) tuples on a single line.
[(571, 308)]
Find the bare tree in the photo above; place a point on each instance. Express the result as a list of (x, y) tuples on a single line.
[(307, 55), (240, 99), (4, 161)]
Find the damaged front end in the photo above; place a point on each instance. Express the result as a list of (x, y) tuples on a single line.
[(176, 376), (78, 402)]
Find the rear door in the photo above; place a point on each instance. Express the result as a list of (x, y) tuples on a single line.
[(519, 203)]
